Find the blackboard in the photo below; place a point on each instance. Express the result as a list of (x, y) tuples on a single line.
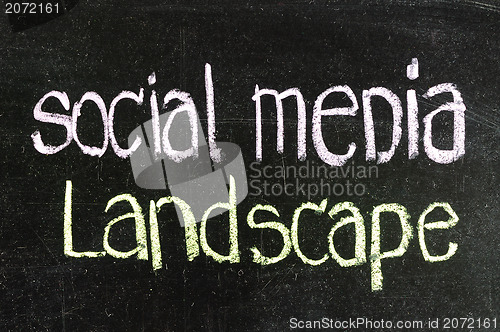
[(108, 47)]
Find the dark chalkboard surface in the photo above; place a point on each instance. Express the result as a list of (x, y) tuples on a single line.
[(108, 47)]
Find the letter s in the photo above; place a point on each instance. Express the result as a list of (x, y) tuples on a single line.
[(60, 119)]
